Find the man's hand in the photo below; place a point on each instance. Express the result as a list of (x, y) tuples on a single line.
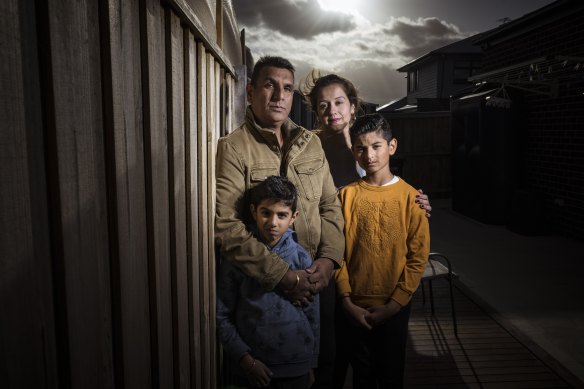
[(380, 314), (320, 273), (296, 287), (356, 313), (424, 202)]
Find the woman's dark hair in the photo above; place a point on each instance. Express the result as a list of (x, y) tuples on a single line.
[(314, 83), (263, 62), (373, 122), (277, 189)]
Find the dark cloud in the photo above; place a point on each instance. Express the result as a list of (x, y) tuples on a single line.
[(376, 82), (362, 46), (301, 19), (428, 46), (424, 35)]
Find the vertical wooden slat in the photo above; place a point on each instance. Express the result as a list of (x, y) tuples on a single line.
[(229, 125), (78, 200), (214, 80), (219, 23), (157, 196), (191, 152), (27, 333), (178, 217), (204, 291), (126, 188)]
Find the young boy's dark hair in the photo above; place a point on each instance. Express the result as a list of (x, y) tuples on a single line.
[(277, 189), (277, 62), (372, 122)]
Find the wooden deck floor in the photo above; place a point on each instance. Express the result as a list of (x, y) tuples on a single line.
[(485, 355)]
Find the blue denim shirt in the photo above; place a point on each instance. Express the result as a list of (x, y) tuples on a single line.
[(250, 319)]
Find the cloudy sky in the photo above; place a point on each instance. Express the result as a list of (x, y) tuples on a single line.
[(366, 40)]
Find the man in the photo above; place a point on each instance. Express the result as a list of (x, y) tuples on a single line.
[(267, 144)]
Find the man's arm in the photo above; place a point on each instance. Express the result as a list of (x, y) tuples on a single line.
[(236, 243), (332, 240)]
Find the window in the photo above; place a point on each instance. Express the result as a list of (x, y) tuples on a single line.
[(413, 80), (465, 69)]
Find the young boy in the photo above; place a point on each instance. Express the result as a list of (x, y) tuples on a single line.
[(274, 342), (387, 244)]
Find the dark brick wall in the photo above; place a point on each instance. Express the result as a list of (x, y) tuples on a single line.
[(563, 36), (554, 156), (550, 139)]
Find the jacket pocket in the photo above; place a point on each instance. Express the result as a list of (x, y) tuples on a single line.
[(310, 175), (259, 173)]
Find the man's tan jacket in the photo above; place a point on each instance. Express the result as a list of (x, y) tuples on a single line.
[(246, 157)]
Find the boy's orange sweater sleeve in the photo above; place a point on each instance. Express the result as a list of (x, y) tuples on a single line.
[(342, 280), (418, 249)]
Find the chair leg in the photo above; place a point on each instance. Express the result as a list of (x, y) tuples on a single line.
[(431, 296), (454, 323)]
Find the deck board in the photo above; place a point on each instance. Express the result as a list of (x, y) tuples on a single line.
[(484, 355)]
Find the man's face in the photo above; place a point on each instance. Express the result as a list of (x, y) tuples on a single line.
[(271, 96)]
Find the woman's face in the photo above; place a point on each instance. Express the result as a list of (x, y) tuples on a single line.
[(334, 109)]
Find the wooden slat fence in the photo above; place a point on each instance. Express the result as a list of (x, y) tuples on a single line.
[(111, 112), (424, 150)]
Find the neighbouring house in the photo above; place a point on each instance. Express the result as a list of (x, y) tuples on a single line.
[(518, 137), (421, 119), (435, 76)]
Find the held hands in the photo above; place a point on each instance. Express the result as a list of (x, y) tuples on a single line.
[(256, 372), (356, 313), (424, 202), (300, 286), (297, 288), (320, 272), (371, 317), (380, 314)]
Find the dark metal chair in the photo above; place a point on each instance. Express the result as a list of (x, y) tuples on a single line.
[(439, 267)]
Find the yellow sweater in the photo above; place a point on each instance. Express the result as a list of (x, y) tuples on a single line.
[(387, 240)]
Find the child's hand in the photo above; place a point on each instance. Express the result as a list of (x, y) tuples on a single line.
[(356, 313), (380, 314), (256, 372), (311, 378)]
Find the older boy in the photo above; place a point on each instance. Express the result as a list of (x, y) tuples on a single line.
[(387, 244), (274, 342)]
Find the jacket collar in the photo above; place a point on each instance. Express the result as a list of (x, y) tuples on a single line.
[(289, 128)]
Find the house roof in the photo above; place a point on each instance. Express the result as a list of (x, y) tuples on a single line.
[(530, 21), (393, 105), (464, 46)]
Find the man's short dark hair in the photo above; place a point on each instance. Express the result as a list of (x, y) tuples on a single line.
[(373, 122), (276, 189), (277, 62)]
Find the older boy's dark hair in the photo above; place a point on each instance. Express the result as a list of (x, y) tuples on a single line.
[(372, 122), (276, 189), (277, 62)]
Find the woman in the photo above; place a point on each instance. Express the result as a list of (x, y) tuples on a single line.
[(335, 102)]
